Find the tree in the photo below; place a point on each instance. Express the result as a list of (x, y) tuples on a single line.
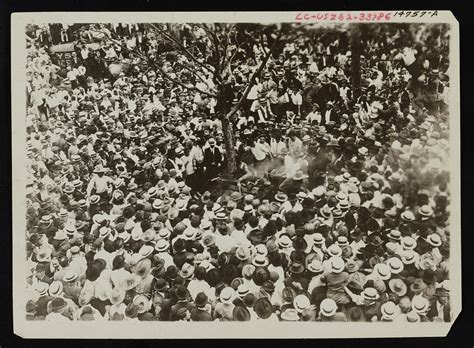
[(355, 59), (221, 43)]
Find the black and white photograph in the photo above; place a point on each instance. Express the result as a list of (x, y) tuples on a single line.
[(260, 172)]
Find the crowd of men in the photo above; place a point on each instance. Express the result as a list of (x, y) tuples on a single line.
[(126, 220)]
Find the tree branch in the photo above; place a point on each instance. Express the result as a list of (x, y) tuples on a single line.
[(216, 42), (193, 72), (181, 46), (180, 83), (254, 77)]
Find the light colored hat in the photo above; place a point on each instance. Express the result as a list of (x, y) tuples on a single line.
[(394, 234), (117, 296), (205, 224), (335, 250), (164, 233), (242, 290), (398, 286), (434, 240), (408, 243), (328, 307), (70, 275), (261, 249), (284, 241), (137, 232), (363, 150), (382, 271), (407, 215), (315, 266), (55, 289), (187, 271), (301, 303), (420, 305), (42, 288), (44, 254), (242, 253), (104, 232), (149, 235), (260, 261), (189, 233), (425, 211), (412, 317), (337, 264), (281, 197), (60, 235), (409, 257), (145, 250), (342, 241), (142, 302), (227, 295), (395, 265), (390, 310), (162, 245), (370, 294), (318, 239), (157, 204), (290, 314)]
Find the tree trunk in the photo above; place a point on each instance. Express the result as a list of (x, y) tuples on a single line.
[(355, 60), (229, 141)]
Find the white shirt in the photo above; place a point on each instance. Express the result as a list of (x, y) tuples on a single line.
[(314, 116), (327, 116), (196, 286), (276, 147)]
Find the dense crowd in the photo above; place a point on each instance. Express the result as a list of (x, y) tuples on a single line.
[(128, 219)]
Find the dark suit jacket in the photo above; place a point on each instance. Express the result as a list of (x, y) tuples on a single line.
[(175, 308), (327, 92), (212, 159), (198, 314), (433, 312)]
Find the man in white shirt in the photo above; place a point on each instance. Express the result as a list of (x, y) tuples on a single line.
[(314, 115), (261, 152), (276, 146), (101, 183)]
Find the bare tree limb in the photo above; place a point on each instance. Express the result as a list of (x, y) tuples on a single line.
[(181, 46), (191, 88), (253, 78), (262, 42), (216, 44), (193, 72)]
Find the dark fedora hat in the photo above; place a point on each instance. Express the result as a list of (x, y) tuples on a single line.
[(181, 292), (241, 314), (296, 268), (263, 308)]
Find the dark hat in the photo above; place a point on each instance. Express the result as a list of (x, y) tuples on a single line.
[(241, 314), (288, 294), (355, 314), (132, 310), (181, 292), (429, 276), (57, 304), (30, 306), (41, 267), (171, 272), (201, 300), (249, 300), (268, 286), (263, 308), (296, 268), (418, 285), (160, 284)]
